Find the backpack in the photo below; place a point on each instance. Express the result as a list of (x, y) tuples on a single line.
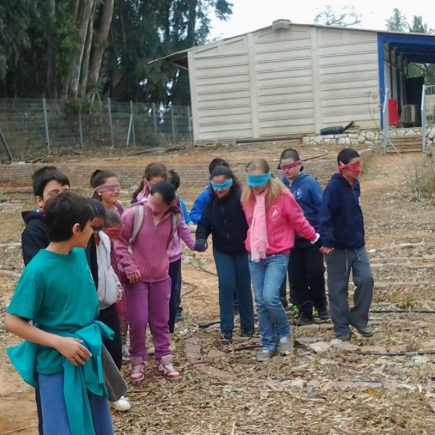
[(138, 221)]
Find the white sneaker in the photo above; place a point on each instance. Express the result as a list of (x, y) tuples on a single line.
[(125, 353), (122, 404)]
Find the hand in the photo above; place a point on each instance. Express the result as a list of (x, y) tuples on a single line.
[(325, 250), (73, 350), (200, 245), (133, 278)]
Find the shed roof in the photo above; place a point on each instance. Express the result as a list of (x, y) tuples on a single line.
[(413, 45)]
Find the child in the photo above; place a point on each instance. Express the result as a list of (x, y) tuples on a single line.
[(154, 172), (341, 227), (62, 351), (307, 269), (106, 189), (273, 215), (146, 264), (113, 228), (203, 198), (223, 217), (109, 290), (47, 183), (175, 254)]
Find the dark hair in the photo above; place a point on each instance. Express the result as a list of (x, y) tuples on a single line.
[(43, 176), (99, 177), (227, 173), (63, 212), (290, 153), (217, 162), (99, 209), (174, 179), (166, 191), (346, 155), (152, 170), (112, 219)]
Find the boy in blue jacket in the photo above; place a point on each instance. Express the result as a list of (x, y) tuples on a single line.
[(341, 228), (306, 268)]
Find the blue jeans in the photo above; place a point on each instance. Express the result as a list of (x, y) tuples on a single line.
[(54, 414), (267, 276), (233, 273)]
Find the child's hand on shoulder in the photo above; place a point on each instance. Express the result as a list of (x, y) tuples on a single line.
[(73, 350)]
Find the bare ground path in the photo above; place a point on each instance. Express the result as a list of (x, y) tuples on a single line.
[(318, 390)]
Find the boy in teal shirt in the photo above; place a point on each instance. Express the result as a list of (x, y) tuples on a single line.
[(62, 352)]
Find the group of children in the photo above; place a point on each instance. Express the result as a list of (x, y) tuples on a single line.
[(122, 269)]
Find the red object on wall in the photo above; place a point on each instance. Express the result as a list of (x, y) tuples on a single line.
[(393, 110)]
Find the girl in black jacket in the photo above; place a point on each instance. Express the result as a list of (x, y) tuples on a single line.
[(225, 220)]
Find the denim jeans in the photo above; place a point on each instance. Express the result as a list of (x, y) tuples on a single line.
[(267, 276), (233, 273)]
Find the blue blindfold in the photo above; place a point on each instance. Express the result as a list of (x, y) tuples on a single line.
[(257, 180), (222, 186)]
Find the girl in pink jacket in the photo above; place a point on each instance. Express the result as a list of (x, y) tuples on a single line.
[(273, 215), (146, 264)]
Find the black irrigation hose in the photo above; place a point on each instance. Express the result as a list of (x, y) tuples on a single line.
[(429, 352), (403, 311)]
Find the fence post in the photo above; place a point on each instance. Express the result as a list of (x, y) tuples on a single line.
[(47, 134), (132, 119), (173, 123), (109, 114), (189, 123), (81, 128)]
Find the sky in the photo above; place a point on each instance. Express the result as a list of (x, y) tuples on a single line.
[(249, 15)]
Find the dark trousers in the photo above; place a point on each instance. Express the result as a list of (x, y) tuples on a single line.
[(109, 316), (308, 278), (39, 411), (233, 273), (175, 301)]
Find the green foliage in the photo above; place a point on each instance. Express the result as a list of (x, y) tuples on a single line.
[(397, 22)]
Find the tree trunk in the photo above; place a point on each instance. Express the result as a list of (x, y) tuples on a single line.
[(100, 42), (51, 51), (83, 16), (86, 56)]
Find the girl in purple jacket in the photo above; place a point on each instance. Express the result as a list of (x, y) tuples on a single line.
[(146, 264)]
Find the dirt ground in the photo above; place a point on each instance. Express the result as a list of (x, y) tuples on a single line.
[(384, 385)]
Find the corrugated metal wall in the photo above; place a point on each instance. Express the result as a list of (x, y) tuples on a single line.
[(283, 82)]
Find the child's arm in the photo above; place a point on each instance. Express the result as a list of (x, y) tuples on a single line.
[(121, 246), (184, 232), (327, 212), (71, 348), (203, 230), (316, 193), (297, 219)]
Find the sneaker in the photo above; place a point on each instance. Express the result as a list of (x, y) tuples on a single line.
[(364, 331), (122, 404), (137, 372), (167, 369), (323, 314), (226, 337), (304, 319), (247, 333), (125, 353), (264, 355), (285, 346), (344, 337)]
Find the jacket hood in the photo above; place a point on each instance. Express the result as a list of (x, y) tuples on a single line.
[(32, 214)]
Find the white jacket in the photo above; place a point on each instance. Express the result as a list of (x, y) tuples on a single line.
[(108, 281)]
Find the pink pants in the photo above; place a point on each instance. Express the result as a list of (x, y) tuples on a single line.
[(148, 303)]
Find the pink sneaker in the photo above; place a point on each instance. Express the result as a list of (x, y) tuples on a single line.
[(167, 369), (137, 371)]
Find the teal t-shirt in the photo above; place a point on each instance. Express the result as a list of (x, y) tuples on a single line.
[(57, 293)]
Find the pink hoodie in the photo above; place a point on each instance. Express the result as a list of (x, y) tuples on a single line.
[(149, 254), (284, 216)]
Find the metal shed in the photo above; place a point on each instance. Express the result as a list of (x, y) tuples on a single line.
[(293, 79)]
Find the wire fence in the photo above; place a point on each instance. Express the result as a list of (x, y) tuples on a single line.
[(31, 127)]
